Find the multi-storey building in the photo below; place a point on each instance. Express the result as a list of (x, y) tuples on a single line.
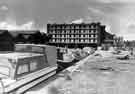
[(76, 35)]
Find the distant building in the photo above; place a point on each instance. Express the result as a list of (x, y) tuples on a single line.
[(76, 35), (109, 38), (6, 41), (29, 36)]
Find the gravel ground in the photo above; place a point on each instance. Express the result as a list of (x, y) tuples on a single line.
[(96, 76)]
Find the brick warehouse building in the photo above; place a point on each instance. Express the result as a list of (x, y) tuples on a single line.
[(76, 35)]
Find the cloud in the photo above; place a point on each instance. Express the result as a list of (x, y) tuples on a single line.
[(95, 10), (78, 21), (117, 1), (105, 1), (116, 14), (4, 8)]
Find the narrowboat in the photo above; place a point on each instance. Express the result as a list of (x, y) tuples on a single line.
[(26, 67), (64, 58)]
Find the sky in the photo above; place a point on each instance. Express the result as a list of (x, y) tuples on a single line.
[(117, 15)]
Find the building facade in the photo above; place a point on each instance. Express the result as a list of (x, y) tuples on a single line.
[(76, 35)]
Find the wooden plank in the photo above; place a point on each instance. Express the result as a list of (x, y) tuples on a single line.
[(28, 86), (29, 78)]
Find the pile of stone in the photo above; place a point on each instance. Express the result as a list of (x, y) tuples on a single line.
[(88, 50)]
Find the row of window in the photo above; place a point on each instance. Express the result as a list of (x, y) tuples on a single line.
[(75, 41), (75, 36), (72, 31), (24, 68), (74, 27)]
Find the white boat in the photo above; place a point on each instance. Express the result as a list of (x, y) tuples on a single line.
[(26, 67)]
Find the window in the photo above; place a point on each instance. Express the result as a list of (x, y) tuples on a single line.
[(53, 40), (72, 31), (81, 36), (72, 36), (82, 31), (76, 36), (92, 26), (92, 36), (91, 31), (58, 36), (33, 65), (66, 36), (63, 40), (63, 27), (82, 40), (67, 31), (22, 69), (77, 27), (87, 41), (87, 31), (72, 40), (63, 31), (58, 27), (72, 27), (68, 40), (92, 41)]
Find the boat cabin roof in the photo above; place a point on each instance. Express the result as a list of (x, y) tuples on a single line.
[(18, 55), (34, 48)]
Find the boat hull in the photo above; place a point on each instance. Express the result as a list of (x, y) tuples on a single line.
[(25, 83)]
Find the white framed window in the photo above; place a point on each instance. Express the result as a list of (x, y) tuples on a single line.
[(62, 36), (92, 36), (86, 40), (81, 40), (72, 40), (92, 31), (81, 36), (67, 31), (22, 69), (33, 66), (72, 36), (53, 40), (72, 27), (92, 26), (62, 40), (91, 40), (82, 31)]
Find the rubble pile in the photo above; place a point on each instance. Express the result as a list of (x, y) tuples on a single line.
[(82, 77), (77, 54)]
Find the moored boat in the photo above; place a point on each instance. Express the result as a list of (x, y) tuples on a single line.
[(27, 66)]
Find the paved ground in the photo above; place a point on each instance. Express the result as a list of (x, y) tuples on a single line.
[(92, 78)]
